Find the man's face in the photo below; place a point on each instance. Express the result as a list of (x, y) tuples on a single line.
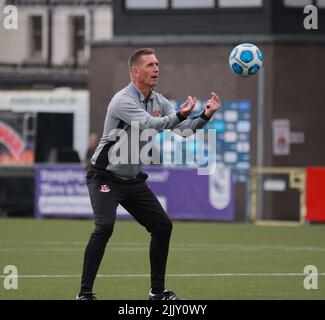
[(147, 71)]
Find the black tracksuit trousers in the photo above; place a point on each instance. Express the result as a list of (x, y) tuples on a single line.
[(106, 192)]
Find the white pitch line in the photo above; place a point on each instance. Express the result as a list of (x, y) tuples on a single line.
[(212, 275), (174, 248)]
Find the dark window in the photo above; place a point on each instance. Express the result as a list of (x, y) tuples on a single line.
[(36, 35), (78, 38), (79, 33)]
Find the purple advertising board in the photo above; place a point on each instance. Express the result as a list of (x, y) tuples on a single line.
[(186, 195), (62, 191)]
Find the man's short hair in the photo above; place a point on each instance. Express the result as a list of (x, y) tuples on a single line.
[(136, 56)]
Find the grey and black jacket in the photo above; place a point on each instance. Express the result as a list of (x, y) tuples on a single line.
[(128, 111)]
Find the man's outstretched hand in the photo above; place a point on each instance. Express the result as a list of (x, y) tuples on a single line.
[(187, 107), (212, 105)]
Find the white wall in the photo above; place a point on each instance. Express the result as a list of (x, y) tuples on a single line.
[(103, 28), (62, 45)]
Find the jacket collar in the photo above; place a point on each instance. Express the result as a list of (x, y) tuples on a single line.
[(135, 90)]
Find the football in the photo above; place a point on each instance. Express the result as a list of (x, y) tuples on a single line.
[(246, 60)]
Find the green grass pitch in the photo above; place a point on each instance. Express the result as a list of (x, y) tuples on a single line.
[(207, 261)]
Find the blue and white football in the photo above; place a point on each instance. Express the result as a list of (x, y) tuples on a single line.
[(246, 60)]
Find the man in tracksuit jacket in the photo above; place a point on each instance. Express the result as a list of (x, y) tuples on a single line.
[(111, 183)]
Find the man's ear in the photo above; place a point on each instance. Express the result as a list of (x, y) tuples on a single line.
[(135, 71)]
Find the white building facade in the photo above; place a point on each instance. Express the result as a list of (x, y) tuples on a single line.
[(64, 28)]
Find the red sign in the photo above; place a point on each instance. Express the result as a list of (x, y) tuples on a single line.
[(12, 146), (11, 139), (315, 200)]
